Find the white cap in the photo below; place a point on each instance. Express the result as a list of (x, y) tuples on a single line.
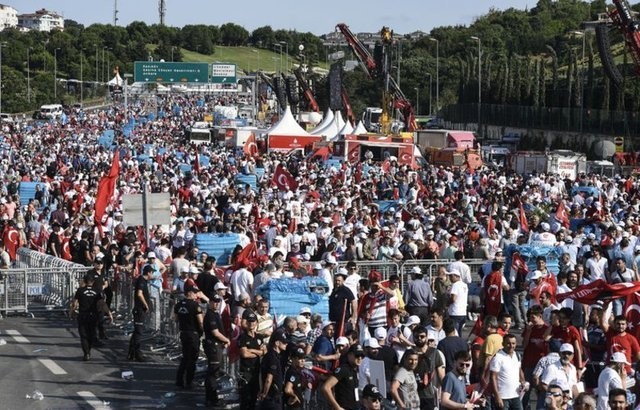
[(416, 269), (304, 310), (372, 343), (184, 269), (342, 341), (536, 274), (566, 347), (380, 333), (453, 272), (413, 320), (219, 286), (545, 226), (302, 319), (342, 271), (151, 255), (99, 255), (331, 259), (193, 269), (327, 323), (317, 265), (618, 357)]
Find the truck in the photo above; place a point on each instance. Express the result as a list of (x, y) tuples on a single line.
[(567, 164), (435, 138)]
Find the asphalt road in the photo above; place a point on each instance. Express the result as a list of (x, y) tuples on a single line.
[(44, 354)]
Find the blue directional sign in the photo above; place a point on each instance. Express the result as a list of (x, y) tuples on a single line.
[(163, 72)]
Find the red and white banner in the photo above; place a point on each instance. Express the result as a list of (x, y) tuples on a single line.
[(600, 290), (284, 180), (106, 187), (250, 147)]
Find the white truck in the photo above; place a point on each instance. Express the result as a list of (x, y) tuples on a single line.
[(567, 164)]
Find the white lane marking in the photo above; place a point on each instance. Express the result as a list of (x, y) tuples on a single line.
[(92, 400), (52, 366), (17, 336)]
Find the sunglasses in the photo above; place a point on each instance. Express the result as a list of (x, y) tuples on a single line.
[(359, 356), (553, 394), (464, 364), (374, 399)]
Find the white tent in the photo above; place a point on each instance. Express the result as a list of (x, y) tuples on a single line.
[(346, 130), (360, 129), (332, 129), (287, 126), (116, 80), (328, 117)]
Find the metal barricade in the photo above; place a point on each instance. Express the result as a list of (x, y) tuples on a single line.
[(13, 292)]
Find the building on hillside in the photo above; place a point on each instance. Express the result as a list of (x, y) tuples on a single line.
[(41, 20), (8, 17)]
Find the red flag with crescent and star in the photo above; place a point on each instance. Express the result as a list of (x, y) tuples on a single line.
[(548, 284), (283, 179), (250, 147), (493, 294), (11, 239), (600, 290), (524, 224), (632, 313), (106, 187), (561, 215)]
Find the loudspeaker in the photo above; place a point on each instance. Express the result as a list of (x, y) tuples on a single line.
[(604, 49), (292, 90), (335, 86)]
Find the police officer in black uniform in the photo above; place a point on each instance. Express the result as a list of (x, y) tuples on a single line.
[(294, 383), (99, 285), (214, 344), (85, 308), (140, 310), (341, 387), (273, 374), (251, 350), (190, 318)]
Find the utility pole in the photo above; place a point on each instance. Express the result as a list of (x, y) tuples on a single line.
[(479, 85), (437, 73), (115, 12)]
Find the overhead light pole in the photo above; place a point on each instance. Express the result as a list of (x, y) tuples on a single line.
[(280, 47), (2, 44), (417, 100), (286, 66), (55, 74), (81, 83), (479, 83), (29, 74), (437, 72), (583, 34)]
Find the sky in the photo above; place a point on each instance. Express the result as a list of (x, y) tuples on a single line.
[(318, 17)]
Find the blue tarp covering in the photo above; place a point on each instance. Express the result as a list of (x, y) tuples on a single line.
[(250, 179), (27, 191), (385, 205), (530, 253), (218, 245), (179, 155), (333, 162), (260, 172), (288, 296), (588, 190), (204, 160), (184, 168)]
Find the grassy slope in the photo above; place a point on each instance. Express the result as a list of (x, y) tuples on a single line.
[(243, 57)]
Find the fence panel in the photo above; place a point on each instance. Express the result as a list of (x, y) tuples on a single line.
[(13, 292)]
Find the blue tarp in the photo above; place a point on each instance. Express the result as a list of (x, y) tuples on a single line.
[(531, 253), (287, 296), (385, 205), (184, 168), (204, 160), (260, 172), (27, 191), (250, 179), (588, 190), (218, 245)]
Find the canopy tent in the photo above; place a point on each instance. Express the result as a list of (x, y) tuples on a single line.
[(328, 117), (287, 126), (360, 129), (116, 80), (333, 128), (288, 135), (346, 130)]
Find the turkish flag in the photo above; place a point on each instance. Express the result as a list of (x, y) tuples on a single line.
[(600, 290), (11, 240), (250, 147), (632, 313), (106, 186), (524, 224), (561, 214), (518, 263), (248, 254), (386, 165), (283, 179), (548, 284)]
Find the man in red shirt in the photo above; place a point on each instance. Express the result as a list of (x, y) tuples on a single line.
[(618, 340), (533, 344), (568, 333)]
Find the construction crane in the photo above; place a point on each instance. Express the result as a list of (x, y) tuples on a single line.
[(162, 10), (393, 98), (306, 90)]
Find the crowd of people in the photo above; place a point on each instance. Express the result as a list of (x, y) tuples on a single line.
[(573, 355)]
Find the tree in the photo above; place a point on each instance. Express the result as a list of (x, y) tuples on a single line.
[(233, 35)]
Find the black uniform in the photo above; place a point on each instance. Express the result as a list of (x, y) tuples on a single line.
[(248, 379), (87, 299), (271, 364), (98, 285), (187, 311), (213, 349), (337, 299), (139, 317), (294, 376), (346, 387)]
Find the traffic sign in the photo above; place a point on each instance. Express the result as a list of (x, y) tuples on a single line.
[(223, 73), (163, 72)]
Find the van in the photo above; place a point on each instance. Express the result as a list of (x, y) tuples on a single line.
[(51, 111)]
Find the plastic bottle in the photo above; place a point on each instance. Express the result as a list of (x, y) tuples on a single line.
[(35, 395)]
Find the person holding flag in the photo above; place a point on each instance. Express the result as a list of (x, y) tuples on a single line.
[(343, 308), (492, 289)]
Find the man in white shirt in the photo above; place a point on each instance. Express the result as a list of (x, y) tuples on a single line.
[(241, 281), (460, 266), (561, 370), (458, 295), (596, 265), (506, 375), (612, 377)]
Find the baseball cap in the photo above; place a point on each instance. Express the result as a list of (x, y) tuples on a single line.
[(327, 323), (375, 276), (536, 274), (216, 298), (413, 320), (151, 255), (298, 353), (317, 266), (304, 310), (280, 337), (453, 272), (372, 343), (380, 333), (219, 286), (191, 289), (566, 347), (371, 392), (562, 384), (193, 269), (342, 341), (251, 317), (357, 350), (416, 269), (618, 357)]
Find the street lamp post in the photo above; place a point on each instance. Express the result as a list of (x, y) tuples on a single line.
[(55, 74), (28, 75), (103, 66), (437, 72), (584, 39), (172, 48), (96, 65), (280, 47), (430, 93), (479, 83), (286, 66), (81, 83), (417, 100), (258, 57), (1, 45)]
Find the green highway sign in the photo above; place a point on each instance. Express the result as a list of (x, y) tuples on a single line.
[(223, 73), (163, 72)]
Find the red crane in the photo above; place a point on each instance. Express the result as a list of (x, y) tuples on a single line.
[(308, 94), (400, 101), (630, 29)]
